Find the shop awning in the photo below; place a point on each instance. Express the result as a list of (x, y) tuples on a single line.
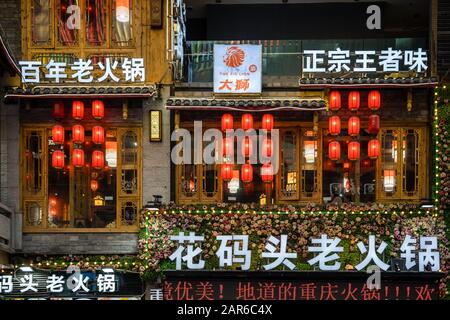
[(247, 105), (68, 92), (400, 82)]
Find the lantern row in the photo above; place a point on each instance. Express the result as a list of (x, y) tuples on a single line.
[(354, 100), (98, 110), (353, 150), (227, 123), (354, 125)]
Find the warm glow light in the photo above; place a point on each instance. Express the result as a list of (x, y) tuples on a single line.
[(267, 147), (334, 150), (353, 151), (334, 125), (353, 100), (374, 100), (246, 173), (78, 158), (227, 171), (389, 180), (267, 122), (98, 135), (123, 10), (353, 126), (227, 147), (78, 110), (247, 146), (247, 121), (58, 134), (98, 159), (334, 100), (227, 122), (373, 149), (58, 159), (98, 109), (94, 185), (78, 134)]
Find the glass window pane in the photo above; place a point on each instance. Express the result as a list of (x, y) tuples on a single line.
[(121, 22), (410, 162), (288, 165), (68, 10), (41, 22), (83, 197), (33, 162), (33, 214), (390, 152), (210, 180), (95, 22), (129, 148), (309, 163)]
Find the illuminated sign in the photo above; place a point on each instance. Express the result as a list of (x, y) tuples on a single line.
[(237, 68)]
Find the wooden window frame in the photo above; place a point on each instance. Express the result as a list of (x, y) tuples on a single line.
[(42, 197), (422, 167)]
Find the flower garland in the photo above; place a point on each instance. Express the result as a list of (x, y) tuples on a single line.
[(155, 246)]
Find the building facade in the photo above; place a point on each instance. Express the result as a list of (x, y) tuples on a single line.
[(113, 92)]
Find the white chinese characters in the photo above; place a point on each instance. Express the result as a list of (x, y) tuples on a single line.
[(81, 71), (366, 61)]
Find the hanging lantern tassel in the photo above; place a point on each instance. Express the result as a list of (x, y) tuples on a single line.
[(58, 134), (247, 121), (334, 125), (78, 134), (267, 122), (353, 151), (78, 158), (58, 159), (373, 149), (334, 101), (98, 109), (98, 135), (227, 122), (354, 100), (334, 150), (246, 173), (94, 185), (227, 171), (374, 100), (98, 159), (78, 110)]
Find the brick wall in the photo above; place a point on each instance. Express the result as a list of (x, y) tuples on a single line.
[(10, 22), (80, 243), (156, 155)]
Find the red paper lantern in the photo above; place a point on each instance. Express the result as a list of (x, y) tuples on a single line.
[(98, 109), (78, 158), (373, 149), (58, 134), (267, 147), (334, 125), (77, 134), (98, 135), (334, 150), (94, 185), (374, 124), (354, 100), (246, 173), (227, 171), (227, 147), (353, 126), (267, 172), (98, 159), (374, 100), (267, 122), (247, 146), (227, 122), (78, 110), (58, 159), (247, 121), (353, 151), (334, 100), (58, 110)]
